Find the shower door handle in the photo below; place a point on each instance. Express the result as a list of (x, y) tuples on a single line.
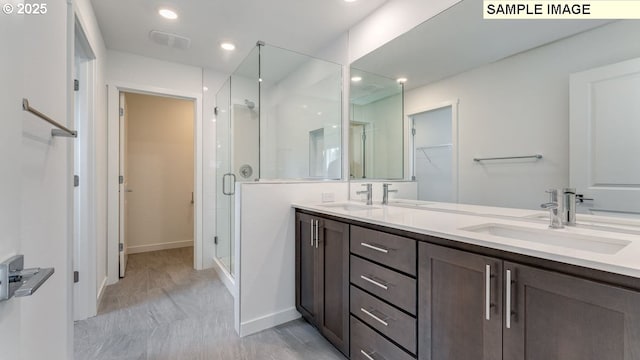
[(224, 184)]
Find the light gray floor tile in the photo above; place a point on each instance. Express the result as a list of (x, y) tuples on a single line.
[(163, 309)]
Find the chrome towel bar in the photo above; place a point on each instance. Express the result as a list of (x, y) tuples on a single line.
[(535, 156), (60, 131)]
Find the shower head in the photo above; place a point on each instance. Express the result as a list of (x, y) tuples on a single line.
[(250, 104)]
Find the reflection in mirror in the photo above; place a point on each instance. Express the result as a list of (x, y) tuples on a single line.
[(567, 90), (376, 127)]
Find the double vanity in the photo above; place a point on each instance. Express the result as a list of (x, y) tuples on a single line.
[(427, 280)]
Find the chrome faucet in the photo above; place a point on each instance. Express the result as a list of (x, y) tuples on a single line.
[(385, 193), (569, 200), (369, 193), (555, 220)]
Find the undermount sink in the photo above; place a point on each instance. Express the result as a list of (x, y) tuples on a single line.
[(590, 243), (349, 207)]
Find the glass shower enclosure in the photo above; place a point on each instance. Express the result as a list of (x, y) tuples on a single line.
[(278, 117)]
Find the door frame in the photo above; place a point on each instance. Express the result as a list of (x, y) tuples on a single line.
[(409, 145), (113, 99), (85, 292)]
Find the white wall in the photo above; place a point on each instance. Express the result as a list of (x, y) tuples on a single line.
[(134, 69), (391, 20), (267, 250), (517, 106), (46, 183)]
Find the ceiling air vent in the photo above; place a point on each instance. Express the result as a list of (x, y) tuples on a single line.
[(171, 40)]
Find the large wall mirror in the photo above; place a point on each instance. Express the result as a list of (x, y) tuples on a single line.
[(498, 111)]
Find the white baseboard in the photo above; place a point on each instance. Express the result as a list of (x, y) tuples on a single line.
[(101, 289), (159, 246), (225, 277), (268, 321)]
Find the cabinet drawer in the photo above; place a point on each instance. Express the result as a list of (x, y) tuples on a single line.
[(398, 289), (391, 250), (388, 320), (366, 341)]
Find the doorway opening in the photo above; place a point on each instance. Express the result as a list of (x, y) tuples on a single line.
[(157, 174), (434, 148)]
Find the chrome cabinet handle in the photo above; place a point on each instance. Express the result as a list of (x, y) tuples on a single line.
[(487, 292), (373, 247), (374, 317), (311, 233), (508, 299), (364, 353), (376, 283), (317, 232)]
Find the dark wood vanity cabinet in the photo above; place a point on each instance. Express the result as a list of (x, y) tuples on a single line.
[(430, 299), (459, 305), (322, 276), (464, 299), (561, 317)]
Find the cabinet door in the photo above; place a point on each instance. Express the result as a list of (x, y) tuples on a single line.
[(306, 269), (459, 305), (334, 282), (561, 317)]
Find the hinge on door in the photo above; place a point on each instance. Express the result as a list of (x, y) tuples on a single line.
[(121, 179), (413, 132), (76, 85), (215, 240), (76, 180), (215, 110), (76, 277), (121, 112), (121, 247)]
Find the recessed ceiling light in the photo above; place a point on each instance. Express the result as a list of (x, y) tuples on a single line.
[(227, 46), (205, 88), (356, 78), (401, 80), (168, 14)]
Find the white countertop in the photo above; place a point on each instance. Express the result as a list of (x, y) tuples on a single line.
[(446, 220)]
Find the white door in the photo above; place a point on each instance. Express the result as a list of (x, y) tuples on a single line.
[(124, 189), (605, 138), (10, 147)]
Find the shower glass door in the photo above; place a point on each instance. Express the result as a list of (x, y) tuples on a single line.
[(224, 187)]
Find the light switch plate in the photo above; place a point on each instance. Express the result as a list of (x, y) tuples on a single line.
[(328, 197)]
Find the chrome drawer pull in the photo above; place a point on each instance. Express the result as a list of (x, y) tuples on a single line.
[(383, 322), (376, 248), (487, 292), (312, 232), (368, 356), (378, 284), (508, 300)]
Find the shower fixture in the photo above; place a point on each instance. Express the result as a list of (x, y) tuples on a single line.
[(250, 104)]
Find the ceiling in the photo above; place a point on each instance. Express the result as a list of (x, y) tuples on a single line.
[(300, 25), (459, 39)]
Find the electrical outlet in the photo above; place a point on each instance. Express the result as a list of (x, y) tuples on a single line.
[(328, 197)]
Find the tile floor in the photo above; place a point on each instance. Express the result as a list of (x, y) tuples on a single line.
[(163, 309)]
